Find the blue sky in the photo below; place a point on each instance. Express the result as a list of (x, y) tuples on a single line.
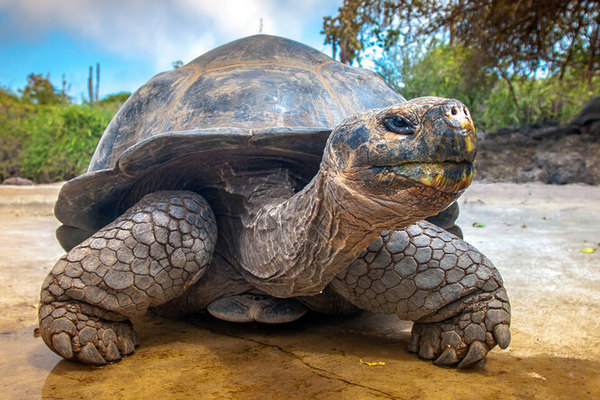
[(133, 40)]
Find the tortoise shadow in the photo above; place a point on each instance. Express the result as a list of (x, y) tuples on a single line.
[(317, 356)]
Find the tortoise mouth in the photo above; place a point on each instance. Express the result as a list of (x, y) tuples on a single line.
[(446, 176)]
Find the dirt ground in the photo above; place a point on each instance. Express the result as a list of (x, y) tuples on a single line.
[(534, 234)]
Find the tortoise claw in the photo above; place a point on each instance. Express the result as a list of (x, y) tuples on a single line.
[(502, 335), (477, 352), (448, 357), (413, 344), (89, 354), (427, 351), (62, 345)]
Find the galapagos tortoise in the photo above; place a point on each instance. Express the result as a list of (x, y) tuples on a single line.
[(264, 179)]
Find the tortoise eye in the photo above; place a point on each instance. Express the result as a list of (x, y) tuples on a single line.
[(398, 124)]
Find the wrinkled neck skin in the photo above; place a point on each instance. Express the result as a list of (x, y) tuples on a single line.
[(296, 245)]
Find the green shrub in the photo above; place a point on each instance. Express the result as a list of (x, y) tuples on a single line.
[(61, 141), (451, 71), (50, 142), (13, 112)]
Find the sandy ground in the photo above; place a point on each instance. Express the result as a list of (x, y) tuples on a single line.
[(533, 233)]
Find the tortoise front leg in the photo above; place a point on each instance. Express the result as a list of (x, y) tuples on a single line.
[(452, 292), (146, 257)]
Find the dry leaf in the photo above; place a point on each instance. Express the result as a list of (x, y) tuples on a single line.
[(373, 363)]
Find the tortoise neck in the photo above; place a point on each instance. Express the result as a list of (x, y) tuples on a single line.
[(296, 246)]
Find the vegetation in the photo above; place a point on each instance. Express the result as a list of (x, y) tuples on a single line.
[(510, 62), (45, 137)]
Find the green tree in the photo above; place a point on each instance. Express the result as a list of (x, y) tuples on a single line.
[(39, 90), (512, 36), (512, 62)]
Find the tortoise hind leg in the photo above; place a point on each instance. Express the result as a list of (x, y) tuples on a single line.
[(146, 257), (249, 307), (448, 288)]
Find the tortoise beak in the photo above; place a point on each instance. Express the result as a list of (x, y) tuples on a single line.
[(451, 144), (440, 153)]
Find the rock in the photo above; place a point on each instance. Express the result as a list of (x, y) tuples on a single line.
[(589, 114), (17, 180), (556, 168)]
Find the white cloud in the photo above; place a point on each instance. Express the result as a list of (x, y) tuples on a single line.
[(163, 31)]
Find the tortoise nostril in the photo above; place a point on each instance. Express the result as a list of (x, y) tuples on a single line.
[(465, 111)]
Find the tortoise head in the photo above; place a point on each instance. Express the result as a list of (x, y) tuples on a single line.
[(414, 157)]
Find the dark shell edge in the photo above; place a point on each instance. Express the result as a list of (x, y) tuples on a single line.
[(90, 201)]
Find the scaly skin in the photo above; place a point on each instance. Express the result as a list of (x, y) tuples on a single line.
[(452, 292), (381, 171), (146, 257)]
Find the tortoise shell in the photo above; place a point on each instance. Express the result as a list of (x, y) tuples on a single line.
[(251, 105)]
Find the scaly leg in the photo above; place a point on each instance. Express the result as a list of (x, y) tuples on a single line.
[(452, 292), (146, 257)]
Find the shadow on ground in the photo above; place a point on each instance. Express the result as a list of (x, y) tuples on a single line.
[(317, 357)]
